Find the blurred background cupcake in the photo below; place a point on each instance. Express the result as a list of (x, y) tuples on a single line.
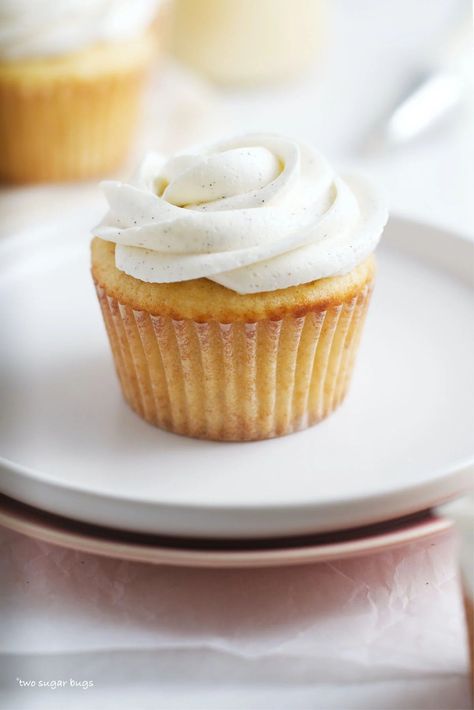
[(71, 75)]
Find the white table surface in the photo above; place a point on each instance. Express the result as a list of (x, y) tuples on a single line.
[(385, 631)]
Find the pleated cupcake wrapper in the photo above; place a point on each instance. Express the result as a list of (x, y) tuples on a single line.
[(66, 129), (235, 381)]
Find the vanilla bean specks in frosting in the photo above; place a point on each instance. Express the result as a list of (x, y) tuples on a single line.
[(254, 213)]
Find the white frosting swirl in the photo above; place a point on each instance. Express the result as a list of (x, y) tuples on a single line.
[(255, 213), (50, 27)]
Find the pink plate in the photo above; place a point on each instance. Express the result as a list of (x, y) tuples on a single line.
[(184, 552)]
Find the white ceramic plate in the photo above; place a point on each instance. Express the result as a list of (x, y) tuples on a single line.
[(401, 442)]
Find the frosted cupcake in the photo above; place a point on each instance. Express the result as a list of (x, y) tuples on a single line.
[(71, 74), (234, 281)]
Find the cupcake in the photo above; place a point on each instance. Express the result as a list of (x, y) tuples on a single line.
[(461, 512), (234, 282), (71, 75)]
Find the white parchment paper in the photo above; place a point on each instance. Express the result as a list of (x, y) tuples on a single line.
[(390, 621)]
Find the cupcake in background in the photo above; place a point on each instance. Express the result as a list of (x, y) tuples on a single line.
[(247, 41), (71, 76), (234, 281), (461, 512)]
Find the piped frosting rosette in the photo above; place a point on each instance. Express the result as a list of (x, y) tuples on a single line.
[(255, 213)]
